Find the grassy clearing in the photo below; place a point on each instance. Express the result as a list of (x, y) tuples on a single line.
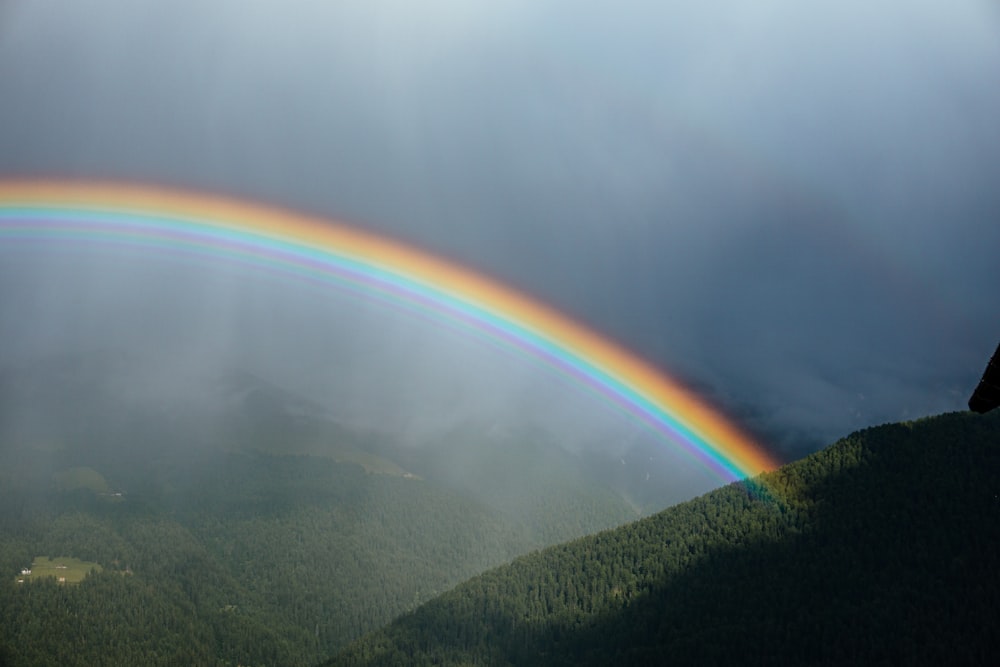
[(65, 570), (337, 452), (81, 478)]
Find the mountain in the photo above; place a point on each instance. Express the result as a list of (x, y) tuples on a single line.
[(883, 548), (233, 521), (229, 557), (523, 474)]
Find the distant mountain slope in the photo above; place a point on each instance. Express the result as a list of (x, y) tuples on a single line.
[(524, 475), (132, 411), (883, 548), (241, 559), (237, 522)]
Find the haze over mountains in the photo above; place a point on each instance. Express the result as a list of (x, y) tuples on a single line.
[(191, 405), (263, 512), (236, 522)]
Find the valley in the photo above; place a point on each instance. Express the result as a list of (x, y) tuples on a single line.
[(281, 532)]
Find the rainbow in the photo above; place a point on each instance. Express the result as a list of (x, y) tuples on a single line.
[(340, 257)]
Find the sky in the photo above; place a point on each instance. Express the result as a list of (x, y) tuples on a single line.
[(790, 206)]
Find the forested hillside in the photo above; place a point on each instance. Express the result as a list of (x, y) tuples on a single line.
[(259, 560), (881, 549), (233, 523)]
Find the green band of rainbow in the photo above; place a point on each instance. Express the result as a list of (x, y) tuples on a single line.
[(339, 257)]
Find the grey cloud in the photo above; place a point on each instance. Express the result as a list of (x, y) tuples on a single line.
[(790, 205)]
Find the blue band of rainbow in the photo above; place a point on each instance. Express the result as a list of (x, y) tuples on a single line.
[(334, 256)]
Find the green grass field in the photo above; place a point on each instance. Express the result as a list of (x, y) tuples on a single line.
[(65, 570), (320, 440), (81, 478)]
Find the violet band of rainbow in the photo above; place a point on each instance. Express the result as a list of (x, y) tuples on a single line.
[(329, 255)]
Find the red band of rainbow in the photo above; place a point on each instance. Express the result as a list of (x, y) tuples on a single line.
[(340, 257)]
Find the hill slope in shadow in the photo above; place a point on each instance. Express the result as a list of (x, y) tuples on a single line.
[(880, 549)]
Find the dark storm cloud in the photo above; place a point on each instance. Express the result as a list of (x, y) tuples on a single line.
[(790, 205)]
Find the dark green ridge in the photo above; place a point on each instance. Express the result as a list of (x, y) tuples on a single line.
[(880, 549)]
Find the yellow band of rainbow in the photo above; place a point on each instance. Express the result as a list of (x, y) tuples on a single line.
[(321, 251)]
